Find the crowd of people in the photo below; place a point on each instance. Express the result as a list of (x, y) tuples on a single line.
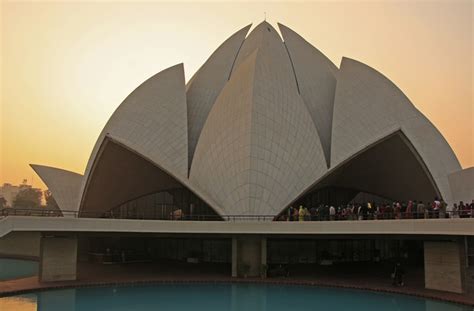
[(366, 211)]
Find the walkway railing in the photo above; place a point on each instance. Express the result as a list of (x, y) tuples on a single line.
[(42, 212)]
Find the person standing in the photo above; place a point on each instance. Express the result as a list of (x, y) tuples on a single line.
[(409, 210), (332, 213), (349, 212), (313, 212), (389, 211), (290, 213), (301, 213), (397, 210), (307, 215), (420, 210), (381, 213), (455, 211), (472, 208), (436, 207), (326, 212), (428, 210), (397, 275), (442, 209), (370, 211), (463, 211)]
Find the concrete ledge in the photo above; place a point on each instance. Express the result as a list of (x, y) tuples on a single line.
[(450, 227)]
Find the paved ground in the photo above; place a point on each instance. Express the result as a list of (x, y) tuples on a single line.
[(350, 276)]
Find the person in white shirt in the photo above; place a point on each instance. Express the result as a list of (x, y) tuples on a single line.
[(332, 213)]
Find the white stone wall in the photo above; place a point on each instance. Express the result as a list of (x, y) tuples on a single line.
[(316, 76), (369, 107), (221, 164), (202, 90), (259, 147), (152, 122), (64, 185), (462, 185), (261, 121)]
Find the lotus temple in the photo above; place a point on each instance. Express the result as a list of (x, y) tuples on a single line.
[(255, 166)]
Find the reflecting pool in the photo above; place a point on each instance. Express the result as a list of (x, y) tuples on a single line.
[(14, 268), (219, 297)]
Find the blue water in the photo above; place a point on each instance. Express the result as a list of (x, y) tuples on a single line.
[(220, 297), (14, 268)]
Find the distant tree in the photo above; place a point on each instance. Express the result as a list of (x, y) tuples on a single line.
[(51, 203), (28, 197), (3, 203)]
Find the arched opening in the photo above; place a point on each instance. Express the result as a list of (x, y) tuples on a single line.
[(174, 204), (388, 170), (123, 184)]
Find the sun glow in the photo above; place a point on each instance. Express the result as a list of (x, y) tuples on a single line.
[(67, 65)]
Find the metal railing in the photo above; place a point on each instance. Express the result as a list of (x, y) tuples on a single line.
[(42, 212), (379, 216)]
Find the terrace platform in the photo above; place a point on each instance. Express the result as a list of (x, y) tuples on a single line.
[(443, 227)]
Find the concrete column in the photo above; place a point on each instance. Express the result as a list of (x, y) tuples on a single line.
[(443, 266), (248, 256), (263, 256), (58, 259), (234, 257), (467, 267)]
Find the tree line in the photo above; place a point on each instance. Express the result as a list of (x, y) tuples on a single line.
[(30, 198)]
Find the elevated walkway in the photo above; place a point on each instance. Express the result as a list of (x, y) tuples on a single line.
[(447, 227)]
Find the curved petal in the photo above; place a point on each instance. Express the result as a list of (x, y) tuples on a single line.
[(121, 174), (316, 76), (368, 107), (151, 120), (259, 147), (206, 84), (64, 185), (462, 185)]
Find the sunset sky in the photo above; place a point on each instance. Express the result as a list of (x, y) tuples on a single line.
[(66, 66)]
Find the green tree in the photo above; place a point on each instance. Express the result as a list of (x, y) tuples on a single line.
[(3, 203), (28, 197), (50, 201)]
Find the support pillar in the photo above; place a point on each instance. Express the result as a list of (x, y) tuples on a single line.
[(443, 269), (234, 257), (263, 258), (58, 258), (249, 256)]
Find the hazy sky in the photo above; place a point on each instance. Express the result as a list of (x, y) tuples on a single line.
[(67, 65)]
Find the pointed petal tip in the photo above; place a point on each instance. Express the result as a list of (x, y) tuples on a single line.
[(38, 166)]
